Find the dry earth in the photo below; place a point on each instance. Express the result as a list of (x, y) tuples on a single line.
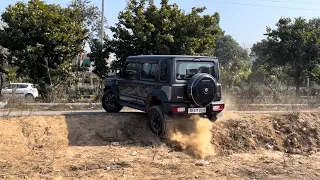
[(120, 146)]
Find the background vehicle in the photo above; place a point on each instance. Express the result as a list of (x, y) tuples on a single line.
[(166, 86), (20, 90)]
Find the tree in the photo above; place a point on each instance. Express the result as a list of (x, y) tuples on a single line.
[(234, 61), (3, 61), (98, 56), (294, 44), (43, 39), (143, 28), (90, 16)]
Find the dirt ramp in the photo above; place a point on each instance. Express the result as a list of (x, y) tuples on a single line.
[(102, 130)]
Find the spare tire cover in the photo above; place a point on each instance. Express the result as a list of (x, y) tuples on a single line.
[(202, 89)]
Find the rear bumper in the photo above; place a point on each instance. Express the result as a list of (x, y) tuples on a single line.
[(209, 109)]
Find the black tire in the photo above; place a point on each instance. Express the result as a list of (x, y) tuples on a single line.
[(213, 117), (109, 103), (29, 97), (157, 122)]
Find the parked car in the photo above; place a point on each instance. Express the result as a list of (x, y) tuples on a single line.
[(166, 86), (20, 90)]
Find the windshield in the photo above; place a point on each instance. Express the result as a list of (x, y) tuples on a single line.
[(186, 69)]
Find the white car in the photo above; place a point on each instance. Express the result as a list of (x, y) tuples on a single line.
[(20, 90)]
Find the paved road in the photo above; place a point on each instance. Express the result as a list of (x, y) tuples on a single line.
[(96, 112)]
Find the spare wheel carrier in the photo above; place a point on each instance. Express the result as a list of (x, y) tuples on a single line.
[(202, 89)]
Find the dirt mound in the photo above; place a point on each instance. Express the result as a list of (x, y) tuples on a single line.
[(122, 146), (291, 133)]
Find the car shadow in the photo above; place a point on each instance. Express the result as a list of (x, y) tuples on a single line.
[(104, 129)]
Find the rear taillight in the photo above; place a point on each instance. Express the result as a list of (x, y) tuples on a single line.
[(178, 109), (217, 107)]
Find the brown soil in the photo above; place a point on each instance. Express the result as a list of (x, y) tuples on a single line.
[(120, 146)]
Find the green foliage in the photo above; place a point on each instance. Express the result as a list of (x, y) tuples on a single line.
[(42, 38), (294, 45), (90, 15), (234, 61), (143, 28), (98, 55), (228, 50)]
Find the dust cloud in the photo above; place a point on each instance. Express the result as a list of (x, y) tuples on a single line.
[(192, 135)]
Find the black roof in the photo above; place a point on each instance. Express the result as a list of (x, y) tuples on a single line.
[(167, 56)]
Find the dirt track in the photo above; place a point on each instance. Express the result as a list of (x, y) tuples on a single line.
[(121, 147)]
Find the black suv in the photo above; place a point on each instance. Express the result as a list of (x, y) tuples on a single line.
[(166, 86)]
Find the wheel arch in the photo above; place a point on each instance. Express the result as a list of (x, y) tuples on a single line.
[(157, 97)]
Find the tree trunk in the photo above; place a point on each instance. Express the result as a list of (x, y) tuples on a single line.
[(298, 85), (1, 83)]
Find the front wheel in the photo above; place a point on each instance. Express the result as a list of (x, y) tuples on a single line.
[(109, 103)]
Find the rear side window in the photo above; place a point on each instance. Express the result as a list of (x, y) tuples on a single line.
[(22, 86), (148, 71), (163, 70)]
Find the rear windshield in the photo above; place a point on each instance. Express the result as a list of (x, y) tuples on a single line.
[(186, 69)]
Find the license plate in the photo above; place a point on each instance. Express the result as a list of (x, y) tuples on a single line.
[(196, 110)]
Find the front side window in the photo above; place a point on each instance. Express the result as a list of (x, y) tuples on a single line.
[(131, 70), (186, 69), (148, 71)]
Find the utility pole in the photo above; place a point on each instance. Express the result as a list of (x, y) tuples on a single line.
[(102, 22)]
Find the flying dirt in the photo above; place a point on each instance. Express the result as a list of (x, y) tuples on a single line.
[(192, 135), (121, 146)]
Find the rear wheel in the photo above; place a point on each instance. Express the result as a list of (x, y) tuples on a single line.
[(213, 117), (157, 121), (29, 97), (109, 103)]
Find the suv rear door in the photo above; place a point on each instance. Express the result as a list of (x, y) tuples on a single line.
[(127, 84), (147, 80)]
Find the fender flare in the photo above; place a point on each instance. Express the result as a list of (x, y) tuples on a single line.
[(158, 94)]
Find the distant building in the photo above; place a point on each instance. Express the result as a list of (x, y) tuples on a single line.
[(83, 60)]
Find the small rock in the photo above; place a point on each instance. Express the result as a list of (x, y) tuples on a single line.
[(115, 144), (108, 168), (134, 153), (95, 166), (298, 151), (312, 152), (269, 147), (229, 152), (202, 163), (283, 130), (304, 129)]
